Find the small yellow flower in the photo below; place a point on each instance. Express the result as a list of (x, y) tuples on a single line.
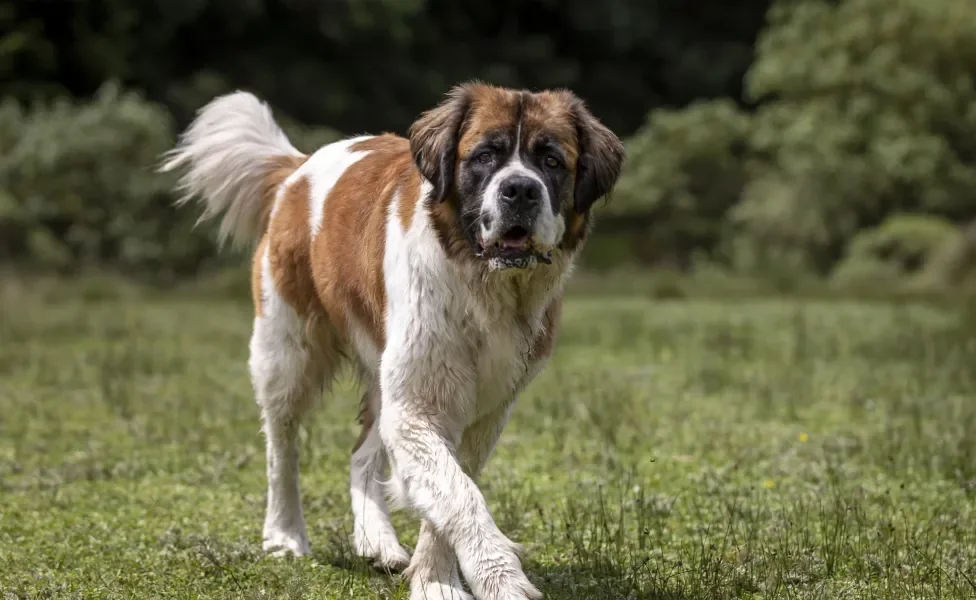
[(769, 484), (804, 438)]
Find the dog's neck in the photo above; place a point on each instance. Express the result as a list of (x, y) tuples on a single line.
[(517, 297)]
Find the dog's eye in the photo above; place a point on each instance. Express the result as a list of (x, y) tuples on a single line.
[(552, 162), (485, 157)]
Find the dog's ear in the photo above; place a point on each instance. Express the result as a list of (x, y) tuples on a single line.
[(601, 155), (434, 140)]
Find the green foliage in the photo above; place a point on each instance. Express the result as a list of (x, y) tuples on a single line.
[(307, 139), (684, 170), (954, 265), (871, 104), (374, 65), (861, 111), (902, 246), (866, 109), (906, 241), (79, 188)]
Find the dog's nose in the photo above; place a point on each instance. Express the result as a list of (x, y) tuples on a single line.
[(521, 192)]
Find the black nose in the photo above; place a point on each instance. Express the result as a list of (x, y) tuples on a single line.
[(521, 191)]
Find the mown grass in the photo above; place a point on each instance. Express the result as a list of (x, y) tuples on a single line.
[(674, 449)]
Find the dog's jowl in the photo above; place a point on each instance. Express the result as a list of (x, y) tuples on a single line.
[(435, 262)]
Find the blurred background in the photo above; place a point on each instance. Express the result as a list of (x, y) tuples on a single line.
[(796, 143)]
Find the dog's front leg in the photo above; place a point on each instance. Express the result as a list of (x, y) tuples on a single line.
[(421, 422)]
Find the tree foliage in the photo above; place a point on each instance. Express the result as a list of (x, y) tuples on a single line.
[(685, 171), (366, 66), (78, 187), (793, 136), (864, 109)]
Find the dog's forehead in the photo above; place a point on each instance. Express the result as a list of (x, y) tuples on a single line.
[(534, 115), (550, 115)]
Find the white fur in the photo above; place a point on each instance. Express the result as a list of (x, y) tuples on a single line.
[(363, 346), (373, 533), (453, 364), (323, 170), (287, 372), (223, 151), (433, 572)]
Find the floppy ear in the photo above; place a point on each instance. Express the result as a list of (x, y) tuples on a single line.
[(434, 140), (600, 159)]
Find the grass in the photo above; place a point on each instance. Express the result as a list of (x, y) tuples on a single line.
[(674, 449)]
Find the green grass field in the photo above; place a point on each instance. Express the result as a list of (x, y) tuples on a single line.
[(695, 449)]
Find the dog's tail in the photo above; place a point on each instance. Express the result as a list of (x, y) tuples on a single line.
[(235, 157)]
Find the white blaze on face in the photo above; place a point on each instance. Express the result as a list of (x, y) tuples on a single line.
[(549, 225)]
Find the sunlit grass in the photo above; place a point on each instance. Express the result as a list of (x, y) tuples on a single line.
[(673, 449)]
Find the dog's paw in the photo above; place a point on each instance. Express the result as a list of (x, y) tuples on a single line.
[(437, 591), (435, 580), (514, 587), (282, 543), (502, 577), (383, 553)]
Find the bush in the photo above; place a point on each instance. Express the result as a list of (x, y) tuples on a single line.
[(907, 241), (685, 169), (953, 265), (870, 104), (901, 247), (865, 109), (78, 188)]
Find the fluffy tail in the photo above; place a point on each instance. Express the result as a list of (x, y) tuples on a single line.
[(235, 156)]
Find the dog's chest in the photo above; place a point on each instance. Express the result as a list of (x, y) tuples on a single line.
[(502, 361), (502, 325)]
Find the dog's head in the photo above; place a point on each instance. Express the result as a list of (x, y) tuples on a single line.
[(521, 169)]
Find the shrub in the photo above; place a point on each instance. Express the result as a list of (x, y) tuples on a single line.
[(685, 169), (79, 189), (953, 265), (871, 105), (901, 247), (865, 109)]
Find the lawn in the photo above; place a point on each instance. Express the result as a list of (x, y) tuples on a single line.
[(679, 449)]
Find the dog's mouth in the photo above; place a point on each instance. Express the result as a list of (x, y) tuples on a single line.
[(514, 249)]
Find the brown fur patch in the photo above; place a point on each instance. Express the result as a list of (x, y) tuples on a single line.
[(408, 180), (445, 221), (550, 114), (256, 293), (278, 169), (288, 249), (577, 226), (491, 109), (347, 257)]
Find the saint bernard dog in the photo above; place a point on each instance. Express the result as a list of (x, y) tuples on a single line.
[(435, 265)]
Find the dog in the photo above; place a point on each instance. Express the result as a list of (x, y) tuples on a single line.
[(435, 264)]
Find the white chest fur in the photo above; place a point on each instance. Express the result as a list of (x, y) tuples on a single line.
[(458, 337), (502, 363)]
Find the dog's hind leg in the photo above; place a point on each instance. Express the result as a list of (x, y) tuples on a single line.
[(290, 363), (373, 533)]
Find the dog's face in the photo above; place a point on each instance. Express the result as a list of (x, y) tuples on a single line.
[(521, 169)]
